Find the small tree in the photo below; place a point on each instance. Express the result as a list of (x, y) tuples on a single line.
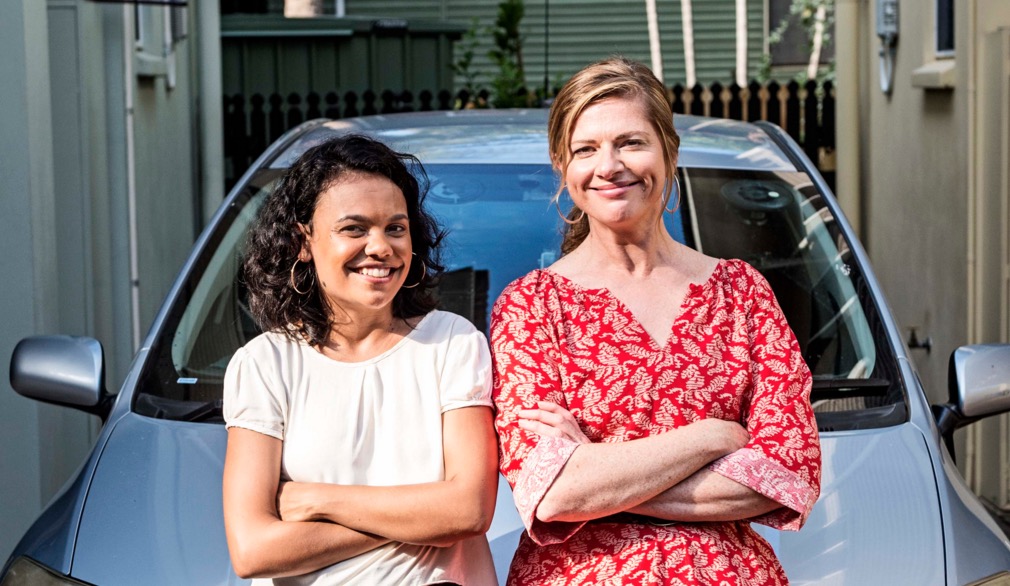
[(509, 83), (817, 18)]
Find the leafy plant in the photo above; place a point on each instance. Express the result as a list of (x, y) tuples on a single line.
[(509, 82), (804, 13)]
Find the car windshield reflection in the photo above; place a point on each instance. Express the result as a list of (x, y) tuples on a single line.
[(502, 223)]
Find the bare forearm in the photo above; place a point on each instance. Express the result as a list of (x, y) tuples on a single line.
[(437, 513), (706, 496), (606, 478), (280, 548)]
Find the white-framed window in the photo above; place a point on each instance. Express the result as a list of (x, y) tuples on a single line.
[(944, 28)]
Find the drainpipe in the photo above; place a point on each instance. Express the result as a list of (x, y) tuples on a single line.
[(847, 121), (211, 117), (131, 173), (974, 436)]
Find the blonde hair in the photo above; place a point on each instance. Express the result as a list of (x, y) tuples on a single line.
[(615, 77)]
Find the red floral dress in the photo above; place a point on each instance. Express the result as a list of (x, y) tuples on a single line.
[(730, 355)]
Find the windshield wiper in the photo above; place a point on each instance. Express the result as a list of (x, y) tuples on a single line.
[(209, 411), (840, 388)]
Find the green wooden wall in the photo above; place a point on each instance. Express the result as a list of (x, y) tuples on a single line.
[(582, 31)]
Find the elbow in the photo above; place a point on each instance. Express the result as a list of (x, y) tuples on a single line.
[(475, 521), (563, 505), (247, 562), (549, 510), (472, 521), (244, 568)]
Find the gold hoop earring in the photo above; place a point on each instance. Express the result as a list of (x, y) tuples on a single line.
[(567, 220), (424, 273), (676, 180), (294, 286)]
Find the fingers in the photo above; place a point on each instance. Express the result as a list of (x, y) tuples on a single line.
[(541, 428), (551, 420)]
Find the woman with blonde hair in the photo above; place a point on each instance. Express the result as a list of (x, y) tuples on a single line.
[(651, 401)]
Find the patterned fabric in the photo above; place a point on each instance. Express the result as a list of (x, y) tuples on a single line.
[(730, 355)]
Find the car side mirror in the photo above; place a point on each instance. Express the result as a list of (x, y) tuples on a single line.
[(978, 386), (62, 370)]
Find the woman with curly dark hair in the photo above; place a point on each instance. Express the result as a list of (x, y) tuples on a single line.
[(360, 440)]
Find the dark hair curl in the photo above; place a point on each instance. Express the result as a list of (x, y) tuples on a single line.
[(275, 239)]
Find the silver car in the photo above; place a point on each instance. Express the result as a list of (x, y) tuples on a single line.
[(146, 506)]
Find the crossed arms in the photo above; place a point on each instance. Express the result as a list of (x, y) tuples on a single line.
[(276, 530)]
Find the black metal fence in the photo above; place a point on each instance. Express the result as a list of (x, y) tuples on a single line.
[(806, 112)]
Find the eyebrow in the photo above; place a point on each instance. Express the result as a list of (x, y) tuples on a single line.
[(366, 219), (621, 136)]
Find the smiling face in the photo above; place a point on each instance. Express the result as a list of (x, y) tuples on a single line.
[(617, 170), (359, 242)]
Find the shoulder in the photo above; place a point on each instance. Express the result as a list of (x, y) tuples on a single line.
[(270, 344), (533, 291), (438, 323), (740, 280), (269, 352)]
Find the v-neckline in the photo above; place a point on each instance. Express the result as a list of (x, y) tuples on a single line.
[(693, 289)]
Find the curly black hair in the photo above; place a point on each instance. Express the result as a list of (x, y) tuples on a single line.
[(275, 239)]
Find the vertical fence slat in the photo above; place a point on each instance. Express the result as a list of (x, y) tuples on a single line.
[(406, 101), (295, 116), (811, 123), (792, 119), (332, 105), (716, 107), (368, 107), (257, 124), (351, 108), (735, 102), (678, 99), (312, 110), (276, 116)]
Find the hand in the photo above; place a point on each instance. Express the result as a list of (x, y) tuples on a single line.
[(294, 502), (552, 420), (730, 434)]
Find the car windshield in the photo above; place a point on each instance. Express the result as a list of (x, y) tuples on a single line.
[(502, 224)]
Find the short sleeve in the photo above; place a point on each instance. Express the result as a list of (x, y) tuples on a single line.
[(466, 374), (254, 399), (526, 370), (782, 461)]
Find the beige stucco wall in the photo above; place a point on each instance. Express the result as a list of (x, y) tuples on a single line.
[(915, 169), (927, 167)]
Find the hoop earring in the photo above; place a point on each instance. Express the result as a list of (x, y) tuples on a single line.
[(676, 179), (565, 219), (294, 286), (424, 273)]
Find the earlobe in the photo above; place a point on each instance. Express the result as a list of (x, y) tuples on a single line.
[(304, 254)]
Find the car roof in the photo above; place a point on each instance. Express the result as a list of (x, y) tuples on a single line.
[(520, 137)]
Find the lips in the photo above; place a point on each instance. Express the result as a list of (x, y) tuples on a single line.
[(613, 189)]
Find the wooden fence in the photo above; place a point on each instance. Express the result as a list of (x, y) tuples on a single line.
[(806, 112)]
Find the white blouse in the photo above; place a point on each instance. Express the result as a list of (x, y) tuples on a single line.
[(376, 422)]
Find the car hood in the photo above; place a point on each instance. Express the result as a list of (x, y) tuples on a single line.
[(153, 512), (877, 520)]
